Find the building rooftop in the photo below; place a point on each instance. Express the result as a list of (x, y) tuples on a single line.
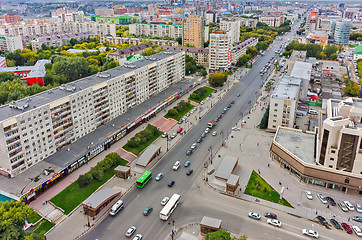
[(186, 49), (302, 70), (211, 222), (26, 104), (145, 158), (287, 88), (130, 50), (38, 70), (97, 198), (226, 167), (297, 142), (298, 56)]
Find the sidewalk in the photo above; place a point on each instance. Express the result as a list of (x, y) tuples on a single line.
[(76, 220)]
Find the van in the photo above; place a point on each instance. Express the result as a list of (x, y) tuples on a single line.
[(116, 208)]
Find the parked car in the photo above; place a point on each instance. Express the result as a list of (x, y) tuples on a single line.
[(358, 207), (164, 135), (274, 222), (202, 102), (347, 228), (310, 233), (138, 237), (173, 135), (335, 223), (189, 172), (179, 130), (309, 195), (147, 211), (270, 215), (203, 135), (194, 145), (159, 176), (331, 201), (232, 101), (187, 163), (180, 121), (199, 140), (164, 201), (349, 206), (188, 153), (357, 230), (312, 111), (130, 231), (322, 220), (322, 198), (343, 206), (171, 183), (357, 218), (235, 128), (176, 165), (254, 215), (207, 130)]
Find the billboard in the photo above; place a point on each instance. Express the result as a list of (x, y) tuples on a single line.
[(313, 18)]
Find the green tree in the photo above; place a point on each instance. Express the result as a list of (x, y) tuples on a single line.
[(203, 72), (12, 219), (217, 79), (264, 120), (218, 235)]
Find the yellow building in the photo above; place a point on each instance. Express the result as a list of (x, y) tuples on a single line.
[(193, 31)]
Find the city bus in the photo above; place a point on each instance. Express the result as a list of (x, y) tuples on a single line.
[(141, 182), (170, 206)]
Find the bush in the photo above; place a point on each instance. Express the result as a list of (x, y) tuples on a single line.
[(143, 136), (172, 112), (217, 79), (264, 120), (83, 181)]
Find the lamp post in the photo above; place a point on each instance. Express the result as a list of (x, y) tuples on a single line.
[(173, 229), (210, 149), (167, 142)]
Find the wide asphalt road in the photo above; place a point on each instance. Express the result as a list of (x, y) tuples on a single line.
[(195, 203)]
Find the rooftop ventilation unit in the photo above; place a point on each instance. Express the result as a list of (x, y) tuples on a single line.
[(103, 75), (68, 89), (20, 107), (151, 58)]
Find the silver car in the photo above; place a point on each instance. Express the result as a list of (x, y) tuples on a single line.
[(130, 231)]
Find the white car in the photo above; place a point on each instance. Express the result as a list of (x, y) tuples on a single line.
[(357, 230), (254, 215), (310, 233), (173, 135), (214, 133), (322, 198), (235, 128), (194, 145), (164, 201), (164, 135), (176, 166), (274, 222), (130, 231), (138, 237), (309, 195), (349, 206), (358, 208), (202, 102), (207, 130), (343, 206), (312, 111)]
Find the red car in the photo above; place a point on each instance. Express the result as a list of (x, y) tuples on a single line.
[(347, 228), (179, 130)]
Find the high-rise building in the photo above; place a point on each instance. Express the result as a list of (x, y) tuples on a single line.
[(104, 11), (210, 17), (342, 32), (220, 55), (233, 27), (311, 23), (34, 128), (10, 43), (11, 18), (193, 31)]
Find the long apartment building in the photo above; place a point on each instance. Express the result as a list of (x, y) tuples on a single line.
[(33, 30), (137, 41), (36, 127), (155, 30), (240, 48), (220, 54)]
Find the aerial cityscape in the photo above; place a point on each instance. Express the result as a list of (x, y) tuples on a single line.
[(180, 120)]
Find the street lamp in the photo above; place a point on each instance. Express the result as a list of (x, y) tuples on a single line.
[(173, 229), (210, 149), (167, 142)]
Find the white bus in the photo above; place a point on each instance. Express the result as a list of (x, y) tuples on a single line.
[(170, 206)]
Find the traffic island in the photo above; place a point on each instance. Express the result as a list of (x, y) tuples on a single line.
[(259, 188)]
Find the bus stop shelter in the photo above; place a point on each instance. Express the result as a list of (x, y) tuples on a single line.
[(148, 155), (122, 171), (209, 224), (96, 202), (227, 166)]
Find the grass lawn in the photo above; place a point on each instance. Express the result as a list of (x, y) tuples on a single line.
[(140, 148), (72, 196), (35, 219), (259, 188), (44, 226), (207, 93), (180, 114)]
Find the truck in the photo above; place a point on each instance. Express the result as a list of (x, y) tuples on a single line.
[(211, 124)]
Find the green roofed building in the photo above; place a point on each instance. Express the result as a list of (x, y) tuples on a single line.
[(120, 20), (357, 52)]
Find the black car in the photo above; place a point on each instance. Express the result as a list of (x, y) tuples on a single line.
[(232, 101), (229, 105), (188, 153), (189, 172), (322, 220), (335, 223), (199, 140), (216, 119), (357, 218), (331, 201), (171, 183)]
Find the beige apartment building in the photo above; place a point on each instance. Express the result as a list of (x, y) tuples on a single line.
[(137, 41), (36, 127), (273, 20), (155, 30), (284, 102), (201, 55), (193, 31), (240, 49), (233, 27), (220, 55)]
